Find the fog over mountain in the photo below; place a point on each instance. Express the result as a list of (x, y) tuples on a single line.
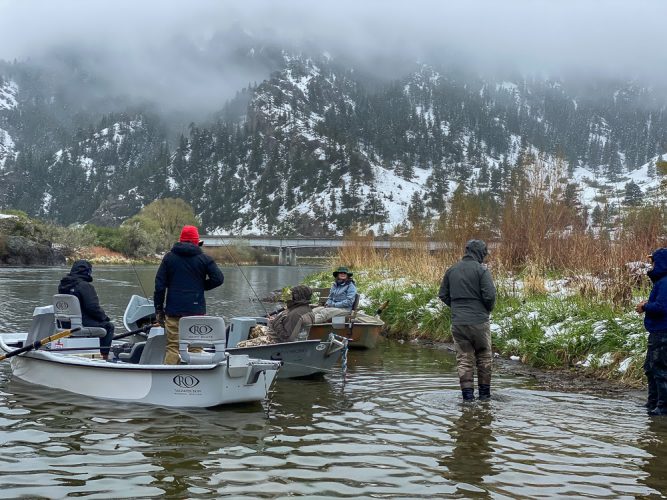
[(303, 117), (164, 50)]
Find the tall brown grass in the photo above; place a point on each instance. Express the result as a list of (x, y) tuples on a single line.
[(416, 261), (538, 231)]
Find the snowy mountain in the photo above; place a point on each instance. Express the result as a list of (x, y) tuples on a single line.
[(320, 146), (8, 91)]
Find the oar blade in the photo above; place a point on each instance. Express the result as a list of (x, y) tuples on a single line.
[(40, 343)]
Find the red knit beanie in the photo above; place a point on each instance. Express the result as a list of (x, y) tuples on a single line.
[(189, 234)]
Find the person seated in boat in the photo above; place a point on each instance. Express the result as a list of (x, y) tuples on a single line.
[(343, 291), (287, 324), (78, 282)]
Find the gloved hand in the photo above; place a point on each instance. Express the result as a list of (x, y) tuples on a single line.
[(160, 317)]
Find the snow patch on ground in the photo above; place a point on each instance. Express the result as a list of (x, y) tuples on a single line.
[(7, 147), (8, 93)]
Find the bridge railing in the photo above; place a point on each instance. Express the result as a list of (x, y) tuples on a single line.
[(277, 242)]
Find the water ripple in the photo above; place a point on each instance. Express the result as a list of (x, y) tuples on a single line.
[(394, 426)]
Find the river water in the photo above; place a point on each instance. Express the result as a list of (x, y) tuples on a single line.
[(395, 427)]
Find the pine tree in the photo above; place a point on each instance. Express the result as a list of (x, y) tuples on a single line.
[(633, 194), (416, 210)]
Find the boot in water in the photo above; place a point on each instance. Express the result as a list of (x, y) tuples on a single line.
[(468, 394), (652, 400), (484, 392), (658, 411)]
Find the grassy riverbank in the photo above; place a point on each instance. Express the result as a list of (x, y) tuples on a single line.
[(548, 320)]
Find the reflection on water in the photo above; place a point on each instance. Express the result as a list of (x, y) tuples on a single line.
[(470, 459), (395, 427), (654, 443)]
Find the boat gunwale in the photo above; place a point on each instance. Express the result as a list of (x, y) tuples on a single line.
[(80, 361)]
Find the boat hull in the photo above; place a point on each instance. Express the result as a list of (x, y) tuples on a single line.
[(232, 381), (300, 359), (360, 335)]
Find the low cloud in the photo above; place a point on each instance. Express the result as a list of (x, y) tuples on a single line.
[(184, 54)]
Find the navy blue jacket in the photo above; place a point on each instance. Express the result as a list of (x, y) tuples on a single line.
[(78, 282), (186, 272), (655, 319)]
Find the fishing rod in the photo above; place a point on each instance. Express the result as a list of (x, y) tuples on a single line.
[(138, 278), (231, 255)]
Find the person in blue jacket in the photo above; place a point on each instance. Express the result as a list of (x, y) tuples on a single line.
[(184, 274), (655, 322), (79, 282), (343, 291)]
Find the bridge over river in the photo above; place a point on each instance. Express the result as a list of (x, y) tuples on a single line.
[(287, 247)]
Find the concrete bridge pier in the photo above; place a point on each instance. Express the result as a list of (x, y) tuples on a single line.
[(287, 256)]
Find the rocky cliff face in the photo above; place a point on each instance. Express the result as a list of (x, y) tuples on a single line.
[(20, 251), (23, 244)]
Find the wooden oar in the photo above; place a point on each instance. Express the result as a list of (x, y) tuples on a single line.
[(381, 309), (39, 343)]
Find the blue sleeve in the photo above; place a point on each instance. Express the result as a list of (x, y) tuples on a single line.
[(330, 298), (657, 303), (350, 295)]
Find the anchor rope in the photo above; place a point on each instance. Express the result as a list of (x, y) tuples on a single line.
[(268, 396), (343, 360)]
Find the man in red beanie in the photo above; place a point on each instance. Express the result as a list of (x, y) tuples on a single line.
[(184, 274)]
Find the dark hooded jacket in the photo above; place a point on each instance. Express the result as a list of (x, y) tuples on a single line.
[(467, 287), (186, 272), (78, 282), (655, 319), (287, 325)]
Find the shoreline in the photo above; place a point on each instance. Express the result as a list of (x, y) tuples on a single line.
[(560, 380)]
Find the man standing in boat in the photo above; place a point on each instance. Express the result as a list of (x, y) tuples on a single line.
[(468, 289), (185, 273), (79, 283)]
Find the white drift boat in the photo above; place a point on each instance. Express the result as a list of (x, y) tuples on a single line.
[(208, 379), (303, 358)]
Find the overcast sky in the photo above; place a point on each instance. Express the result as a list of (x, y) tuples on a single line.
[(588, 37)]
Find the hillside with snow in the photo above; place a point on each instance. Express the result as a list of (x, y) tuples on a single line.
[(8, 91), (319, 147)]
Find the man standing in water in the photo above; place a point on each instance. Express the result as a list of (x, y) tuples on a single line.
[(184, 274), (655, 322), (467, 288)]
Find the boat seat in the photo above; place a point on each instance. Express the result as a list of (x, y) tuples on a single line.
[(67, 311), (134, 355), (355, 304), (43, 324), (152, 353), (201, 331), (239, 329)]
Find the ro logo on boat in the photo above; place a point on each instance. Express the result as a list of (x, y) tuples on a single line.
[(186, 381), (200, 329), (62, 306)]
